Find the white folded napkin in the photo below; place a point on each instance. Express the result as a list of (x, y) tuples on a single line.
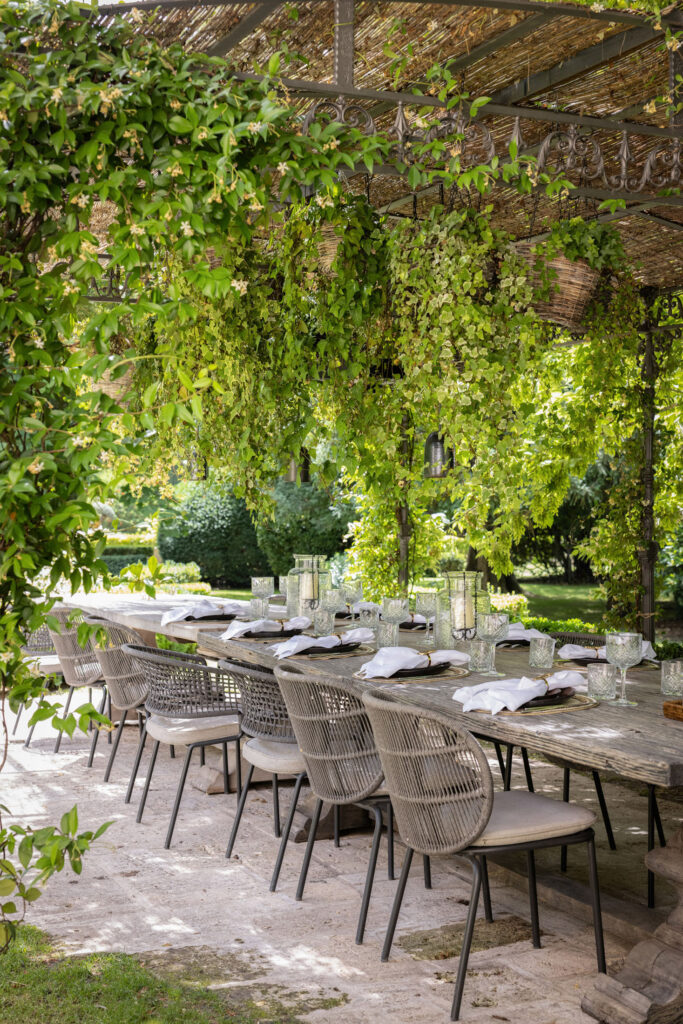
[(298, 644), (389, 660), (512, 693), (570, 651), (517, 631), (236, 629), (203, 609)]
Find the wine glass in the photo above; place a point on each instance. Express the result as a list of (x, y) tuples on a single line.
[(425, 604), (491, 627), (334, 600), (369, 619), (624, 650), (353, 592), (395, 609), (263, 586)]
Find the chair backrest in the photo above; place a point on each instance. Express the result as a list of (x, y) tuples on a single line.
[(584, 639), (334, 735), (264, 712), (38, 642), (183, 685), (437, 775), (126, 684), (79, 663)]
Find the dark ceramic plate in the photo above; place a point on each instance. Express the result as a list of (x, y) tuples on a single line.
[(585, 660), (412, 626), (513, 643), (214, 616), (341, 649), (343, 615), (428, 670), (281, 634), (550, 698)]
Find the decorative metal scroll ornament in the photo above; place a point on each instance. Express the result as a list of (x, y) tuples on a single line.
[(668, 311), (562, 150), (111, 287)]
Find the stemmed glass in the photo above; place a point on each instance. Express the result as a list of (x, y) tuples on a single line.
[(624, 650), (425, 604), (333, 600), (394, 611), (263, 586), (491, 627), (369, 618), (353, 592)]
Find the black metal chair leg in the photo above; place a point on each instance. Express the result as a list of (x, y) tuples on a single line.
[(501, 762), (238, 812), (650, 844), (226, 769), (238, 762), (657, 818), (370, 875), (486, 891), (277, 828), (309, 850), (179, 795), (287, 830), (202, 757), (390, 842), (507, 778), (136, 763), (527, 770), (16, 720), (96, 731), (171, 751), (396, 908), (427, 871), (603, 810), (60, 732), (565, 797), (150, 769), (597, 913), (27, 742), (115, 746), (109, 717), (533, 899), (336, 813), (467, 938)]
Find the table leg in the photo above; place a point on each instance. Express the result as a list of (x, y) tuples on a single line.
[(649, 987)]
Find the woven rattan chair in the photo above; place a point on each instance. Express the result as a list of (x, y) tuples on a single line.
[(188, 703), (126, 685), (80, 666), (343, 767), (272, 747), (38, 650), (439, 781)]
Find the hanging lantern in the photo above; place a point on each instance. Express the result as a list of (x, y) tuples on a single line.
[(437, 460)]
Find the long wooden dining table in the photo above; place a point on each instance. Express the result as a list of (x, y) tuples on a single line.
[(636, 743)]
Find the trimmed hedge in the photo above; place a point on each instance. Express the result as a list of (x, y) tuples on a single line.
[(117, 559), (213, 528), (306, 521)]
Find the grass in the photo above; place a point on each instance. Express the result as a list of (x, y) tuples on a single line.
[(40, 986), (563, 600), (236, 595)]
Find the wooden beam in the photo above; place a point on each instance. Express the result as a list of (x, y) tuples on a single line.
[(343, 43), (554, 10), (593, 57), (308, 88), (244, 27)]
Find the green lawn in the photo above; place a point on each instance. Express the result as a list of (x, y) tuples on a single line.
[(38, 985), (563, 600), (235, 594)]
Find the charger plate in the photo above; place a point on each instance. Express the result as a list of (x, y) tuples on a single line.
[(329, 655), (579, 702)]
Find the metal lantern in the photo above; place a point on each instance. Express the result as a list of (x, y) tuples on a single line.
[(458, 606), (437, 461)]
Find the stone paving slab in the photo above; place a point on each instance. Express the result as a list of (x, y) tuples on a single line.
[(189, 904)]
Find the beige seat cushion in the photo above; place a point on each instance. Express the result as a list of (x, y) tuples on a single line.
[(192, 730), (275, 757), (519, 816)]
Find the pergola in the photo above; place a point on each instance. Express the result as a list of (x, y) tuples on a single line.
[(579, 87)]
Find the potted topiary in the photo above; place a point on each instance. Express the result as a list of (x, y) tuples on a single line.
[(566, 267)]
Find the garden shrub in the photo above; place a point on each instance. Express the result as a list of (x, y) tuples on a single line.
[(516, 605), (116, 560), (214, 529), (306, 520), (560, 625)]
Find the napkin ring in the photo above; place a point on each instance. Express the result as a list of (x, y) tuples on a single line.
[(429, 659), (537, 679)]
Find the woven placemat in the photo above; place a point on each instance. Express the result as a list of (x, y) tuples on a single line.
[(319, 656), (579, 702)]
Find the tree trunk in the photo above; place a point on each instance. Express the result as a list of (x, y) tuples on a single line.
[(647, 552), (405, 532), (478, 563)]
